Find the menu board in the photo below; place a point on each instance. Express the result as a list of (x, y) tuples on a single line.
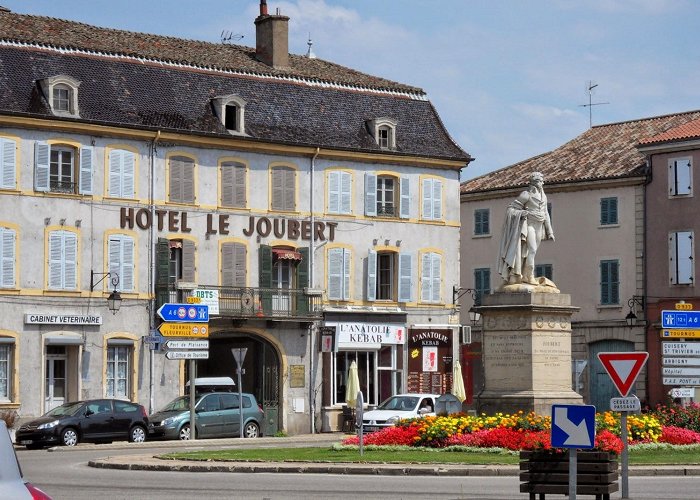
[(430, 360)]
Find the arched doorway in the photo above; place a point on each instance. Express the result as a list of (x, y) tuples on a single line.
[(261, 367), (601, 385)]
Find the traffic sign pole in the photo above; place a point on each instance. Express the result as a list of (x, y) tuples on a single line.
[(624, 457)]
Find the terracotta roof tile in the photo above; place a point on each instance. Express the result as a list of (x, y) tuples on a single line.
[(690, 130), (602, 152)]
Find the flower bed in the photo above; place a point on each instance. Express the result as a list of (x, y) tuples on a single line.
[(527, 431)]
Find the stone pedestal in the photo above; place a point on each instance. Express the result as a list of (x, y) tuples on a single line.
[(526, 352)]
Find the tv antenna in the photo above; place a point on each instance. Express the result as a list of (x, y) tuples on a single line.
[(229, 36), (590, 87)]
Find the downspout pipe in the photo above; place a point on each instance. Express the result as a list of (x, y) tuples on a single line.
[(312, 327), (152, 274)]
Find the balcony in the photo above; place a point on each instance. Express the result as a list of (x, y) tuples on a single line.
[(277, 304)]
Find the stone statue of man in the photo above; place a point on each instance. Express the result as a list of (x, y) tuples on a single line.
[(527, 224)]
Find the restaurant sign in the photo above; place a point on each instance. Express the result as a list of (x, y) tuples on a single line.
[(368, 335)]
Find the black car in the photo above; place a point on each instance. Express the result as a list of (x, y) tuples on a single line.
[(97, 420)]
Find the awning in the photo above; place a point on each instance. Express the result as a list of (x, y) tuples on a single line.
[(63, 338), (283, 253)]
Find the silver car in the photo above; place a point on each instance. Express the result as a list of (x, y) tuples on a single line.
[(12, 485)]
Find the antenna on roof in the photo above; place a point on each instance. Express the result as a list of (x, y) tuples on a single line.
[(590, 86), (310, 53), (228, 37)]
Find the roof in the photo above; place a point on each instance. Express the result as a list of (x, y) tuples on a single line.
[(602, 152), (153, 82), (687, 131)]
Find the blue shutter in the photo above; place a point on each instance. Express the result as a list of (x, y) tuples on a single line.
[(85, 181), (405, 209), (346, 274), (405, 277), (436, 276), (7, 164), (372, 275), (370, 194), (437, 199), (42, 156), (426, 282), (7, 258), (335, 274), (345, 193), (334, 192)]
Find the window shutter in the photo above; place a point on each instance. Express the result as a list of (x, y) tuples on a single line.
[(426, 282), (437, 199), (7, 164), (427, 193), (227, 263), (116, 160), (188, 269), (302, 301), (265, 256), (335, 274), (126, 278), (175, 184), (70, 260), (604, 283), (334, 192), (372, 275), (239, 190), (114, 250), (672, 259), (128, 174), (232, 185), (55, 260), (277, 188), (85, 181), (42, 154), (405, 270), (684, 243), (346, 274), (683, 177), (240, 261), (614, 283), (188, 181), (405, 210), (370, 195), (290, 182), (345, 193), (7, 258), (436, 276), (162, 271)]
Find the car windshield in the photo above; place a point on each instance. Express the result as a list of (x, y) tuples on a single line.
[(64, 409), (399, 403), (178, 404)]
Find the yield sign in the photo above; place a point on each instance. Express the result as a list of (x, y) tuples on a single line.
[(623, 368)]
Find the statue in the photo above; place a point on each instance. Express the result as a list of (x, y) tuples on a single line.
[(527, 224)]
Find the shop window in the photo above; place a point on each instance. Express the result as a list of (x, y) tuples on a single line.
[(63, 169), (366, 363)]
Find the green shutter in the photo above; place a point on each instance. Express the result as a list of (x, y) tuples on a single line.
[(265, 278), (162, 271), (303, 281)]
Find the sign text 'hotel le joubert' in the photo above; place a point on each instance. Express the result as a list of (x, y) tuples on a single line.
[(177, 221)]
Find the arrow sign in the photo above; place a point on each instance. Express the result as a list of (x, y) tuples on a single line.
[(573, 426), (184, 313), (680, 319), (184, 330), (187, 344), (187, 354), (623, 368)]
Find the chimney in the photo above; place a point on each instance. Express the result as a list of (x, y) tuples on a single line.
[(272, 38)]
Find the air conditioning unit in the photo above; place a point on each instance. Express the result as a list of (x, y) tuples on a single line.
[(466, 334)]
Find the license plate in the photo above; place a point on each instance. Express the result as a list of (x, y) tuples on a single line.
[(26, 441), (371, 429)]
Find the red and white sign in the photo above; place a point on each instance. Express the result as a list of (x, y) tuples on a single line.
[(623, 368)]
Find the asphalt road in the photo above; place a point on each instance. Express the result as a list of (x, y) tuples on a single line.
[(65, 475)]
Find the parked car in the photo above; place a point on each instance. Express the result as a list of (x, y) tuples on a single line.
[(96, 420), (12, 484), (398, 407), (218, 415)]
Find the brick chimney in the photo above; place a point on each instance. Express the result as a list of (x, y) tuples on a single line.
[(272, 38)]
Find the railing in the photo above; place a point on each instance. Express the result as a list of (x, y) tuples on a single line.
[(62, 187), (386, 211), (267, 303)]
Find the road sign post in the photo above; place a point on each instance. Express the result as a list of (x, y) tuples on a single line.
[(573, 427), (239, 355)]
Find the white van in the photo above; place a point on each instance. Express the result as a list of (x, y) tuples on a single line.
[(211, 384)]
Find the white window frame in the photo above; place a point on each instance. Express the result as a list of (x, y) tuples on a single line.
[(81, 170), (7, 348), (220, 108), (339, 265), (383, 129), (8, 253), (681, 258), (118, 355), (63, 260), (48, 85), (339, 192), (8, 163), (680, 177), (431, 277), (122, 170), (121, 253)]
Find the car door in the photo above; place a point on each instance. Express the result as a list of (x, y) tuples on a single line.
[(124, 413), (231, 414), (210, 416), (97, 420)]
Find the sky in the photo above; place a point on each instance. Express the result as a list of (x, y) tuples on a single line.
[(508, 77)]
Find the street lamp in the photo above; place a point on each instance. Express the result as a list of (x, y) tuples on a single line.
[(114, 301), (631, 318), (457, 292)]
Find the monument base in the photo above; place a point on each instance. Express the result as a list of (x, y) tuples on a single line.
[(491, 402)]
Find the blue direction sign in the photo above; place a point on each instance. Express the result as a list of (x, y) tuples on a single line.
[(184, 313), (573, 426), (680, 319)]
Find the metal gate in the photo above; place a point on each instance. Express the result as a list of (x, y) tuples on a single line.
[(601, 386), (270, 392)]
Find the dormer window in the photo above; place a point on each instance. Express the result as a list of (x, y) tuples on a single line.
[(61, 92), (231, 111), (384, 132)]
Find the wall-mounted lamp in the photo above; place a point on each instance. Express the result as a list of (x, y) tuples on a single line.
[(474, 315), (636, 300), (387, 242), (114, 301), (398, 243), (78, 222), (63, 222), (47, 221), (374, 241)]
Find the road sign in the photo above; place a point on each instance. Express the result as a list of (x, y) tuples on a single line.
[(184, 313), (153, 339), (681, 361), (623, 368), (187, 344), (682, 392), (682, 371), (680, 319), (630, 403), (680, 348), (184, 330), (239, 355), (187, 354), (680, 380), (680, 334), (573, 426), (206, 297)]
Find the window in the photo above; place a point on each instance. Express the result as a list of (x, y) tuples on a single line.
[(61, 98), (8, 239), (366, 370), (63, 260), (609, 282), (680, 177), (233, 184), (284, 188), (231, 111), (233, 264), (482, 283), (181, 266), (481, 221), (6, 357), (608, 211), (122, 166), (61, 92), (680, 252), (432, 199), (121, 260), (431, 277), (8, 156), (118, 361), (544, 270), (181, 180), (283, 269), (384, 197), (63, 169), (384, 132), (339, 192), (383, 280), (338, 274)]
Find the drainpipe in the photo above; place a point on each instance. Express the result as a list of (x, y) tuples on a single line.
[(312, 329), (152, 274)]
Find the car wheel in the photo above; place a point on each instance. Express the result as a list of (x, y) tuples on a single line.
[(137, 434), (69, 437), (251, 430), (184, 433)]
